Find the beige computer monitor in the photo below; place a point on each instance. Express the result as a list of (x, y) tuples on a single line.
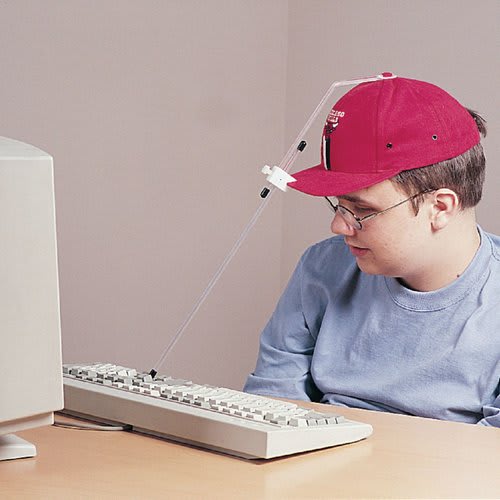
[(30, 333)]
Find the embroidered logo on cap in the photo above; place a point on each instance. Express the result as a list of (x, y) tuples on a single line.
[(332, 122)]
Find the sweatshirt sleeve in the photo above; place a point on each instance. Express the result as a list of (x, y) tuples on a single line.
[(286, 348), (491, 413)]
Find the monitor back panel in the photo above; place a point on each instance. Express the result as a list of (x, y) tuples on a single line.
[(30, 337)]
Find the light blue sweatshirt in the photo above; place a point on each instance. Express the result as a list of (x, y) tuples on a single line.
[(344, 337)]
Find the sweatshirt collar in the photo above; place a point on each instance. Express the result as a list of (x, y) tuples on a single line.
[(454, 292)]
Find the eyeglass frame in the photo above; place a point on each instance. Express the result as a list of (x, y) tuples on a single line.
[(335, 208)]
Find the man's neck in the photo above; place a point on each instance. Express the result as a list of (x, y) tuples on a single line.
[(453, 250)]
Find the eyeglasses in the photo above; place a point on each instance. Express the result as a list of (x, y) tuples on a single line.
[(352, 220)]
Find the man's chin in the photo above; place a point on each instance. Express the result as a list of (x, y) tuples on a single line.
[(372, 268)]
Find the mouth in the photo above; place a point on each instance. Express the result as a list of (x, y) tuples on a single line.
[(357, 251)]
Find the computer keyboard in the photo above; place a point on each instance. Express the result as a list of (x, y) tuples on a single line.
[(220, 419)]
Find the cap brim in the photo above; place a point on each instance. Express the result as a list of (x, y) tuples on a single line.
[(318, 181)]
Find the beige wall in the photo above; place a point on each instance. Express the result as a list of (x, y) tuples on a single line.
[(160, 114)]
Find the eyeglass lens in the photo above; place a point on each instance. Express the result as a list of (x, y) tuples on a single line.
[(348, 217)]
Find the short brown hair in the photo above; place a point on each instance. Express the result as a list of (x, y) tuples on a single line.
[(463, 174)]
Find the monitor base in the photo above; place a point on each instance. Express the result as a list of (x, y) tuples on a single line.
[(12, 447)]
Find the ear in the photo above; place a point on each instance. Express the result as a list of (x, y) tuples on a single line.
[(445, 206)]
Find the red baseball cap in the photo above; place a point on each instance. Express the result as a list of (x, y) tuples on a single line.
[(381, 128)]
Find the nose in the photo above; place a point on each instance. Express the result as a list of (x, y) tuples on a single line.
[(340, 226)]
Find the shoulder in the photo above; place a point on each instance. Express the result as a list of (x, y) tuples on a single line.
[(328, 259), (494, 241), (326, 249)]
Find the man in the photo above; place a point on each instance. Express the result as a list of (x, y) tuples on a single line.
[(401, 311)]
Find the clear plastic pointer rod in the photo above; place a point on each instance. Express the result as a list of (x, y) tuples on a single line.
[(284, 166)]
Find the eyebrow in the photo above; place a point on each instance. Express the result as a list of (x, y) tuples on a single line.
[(353, 199), (360, 201)]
